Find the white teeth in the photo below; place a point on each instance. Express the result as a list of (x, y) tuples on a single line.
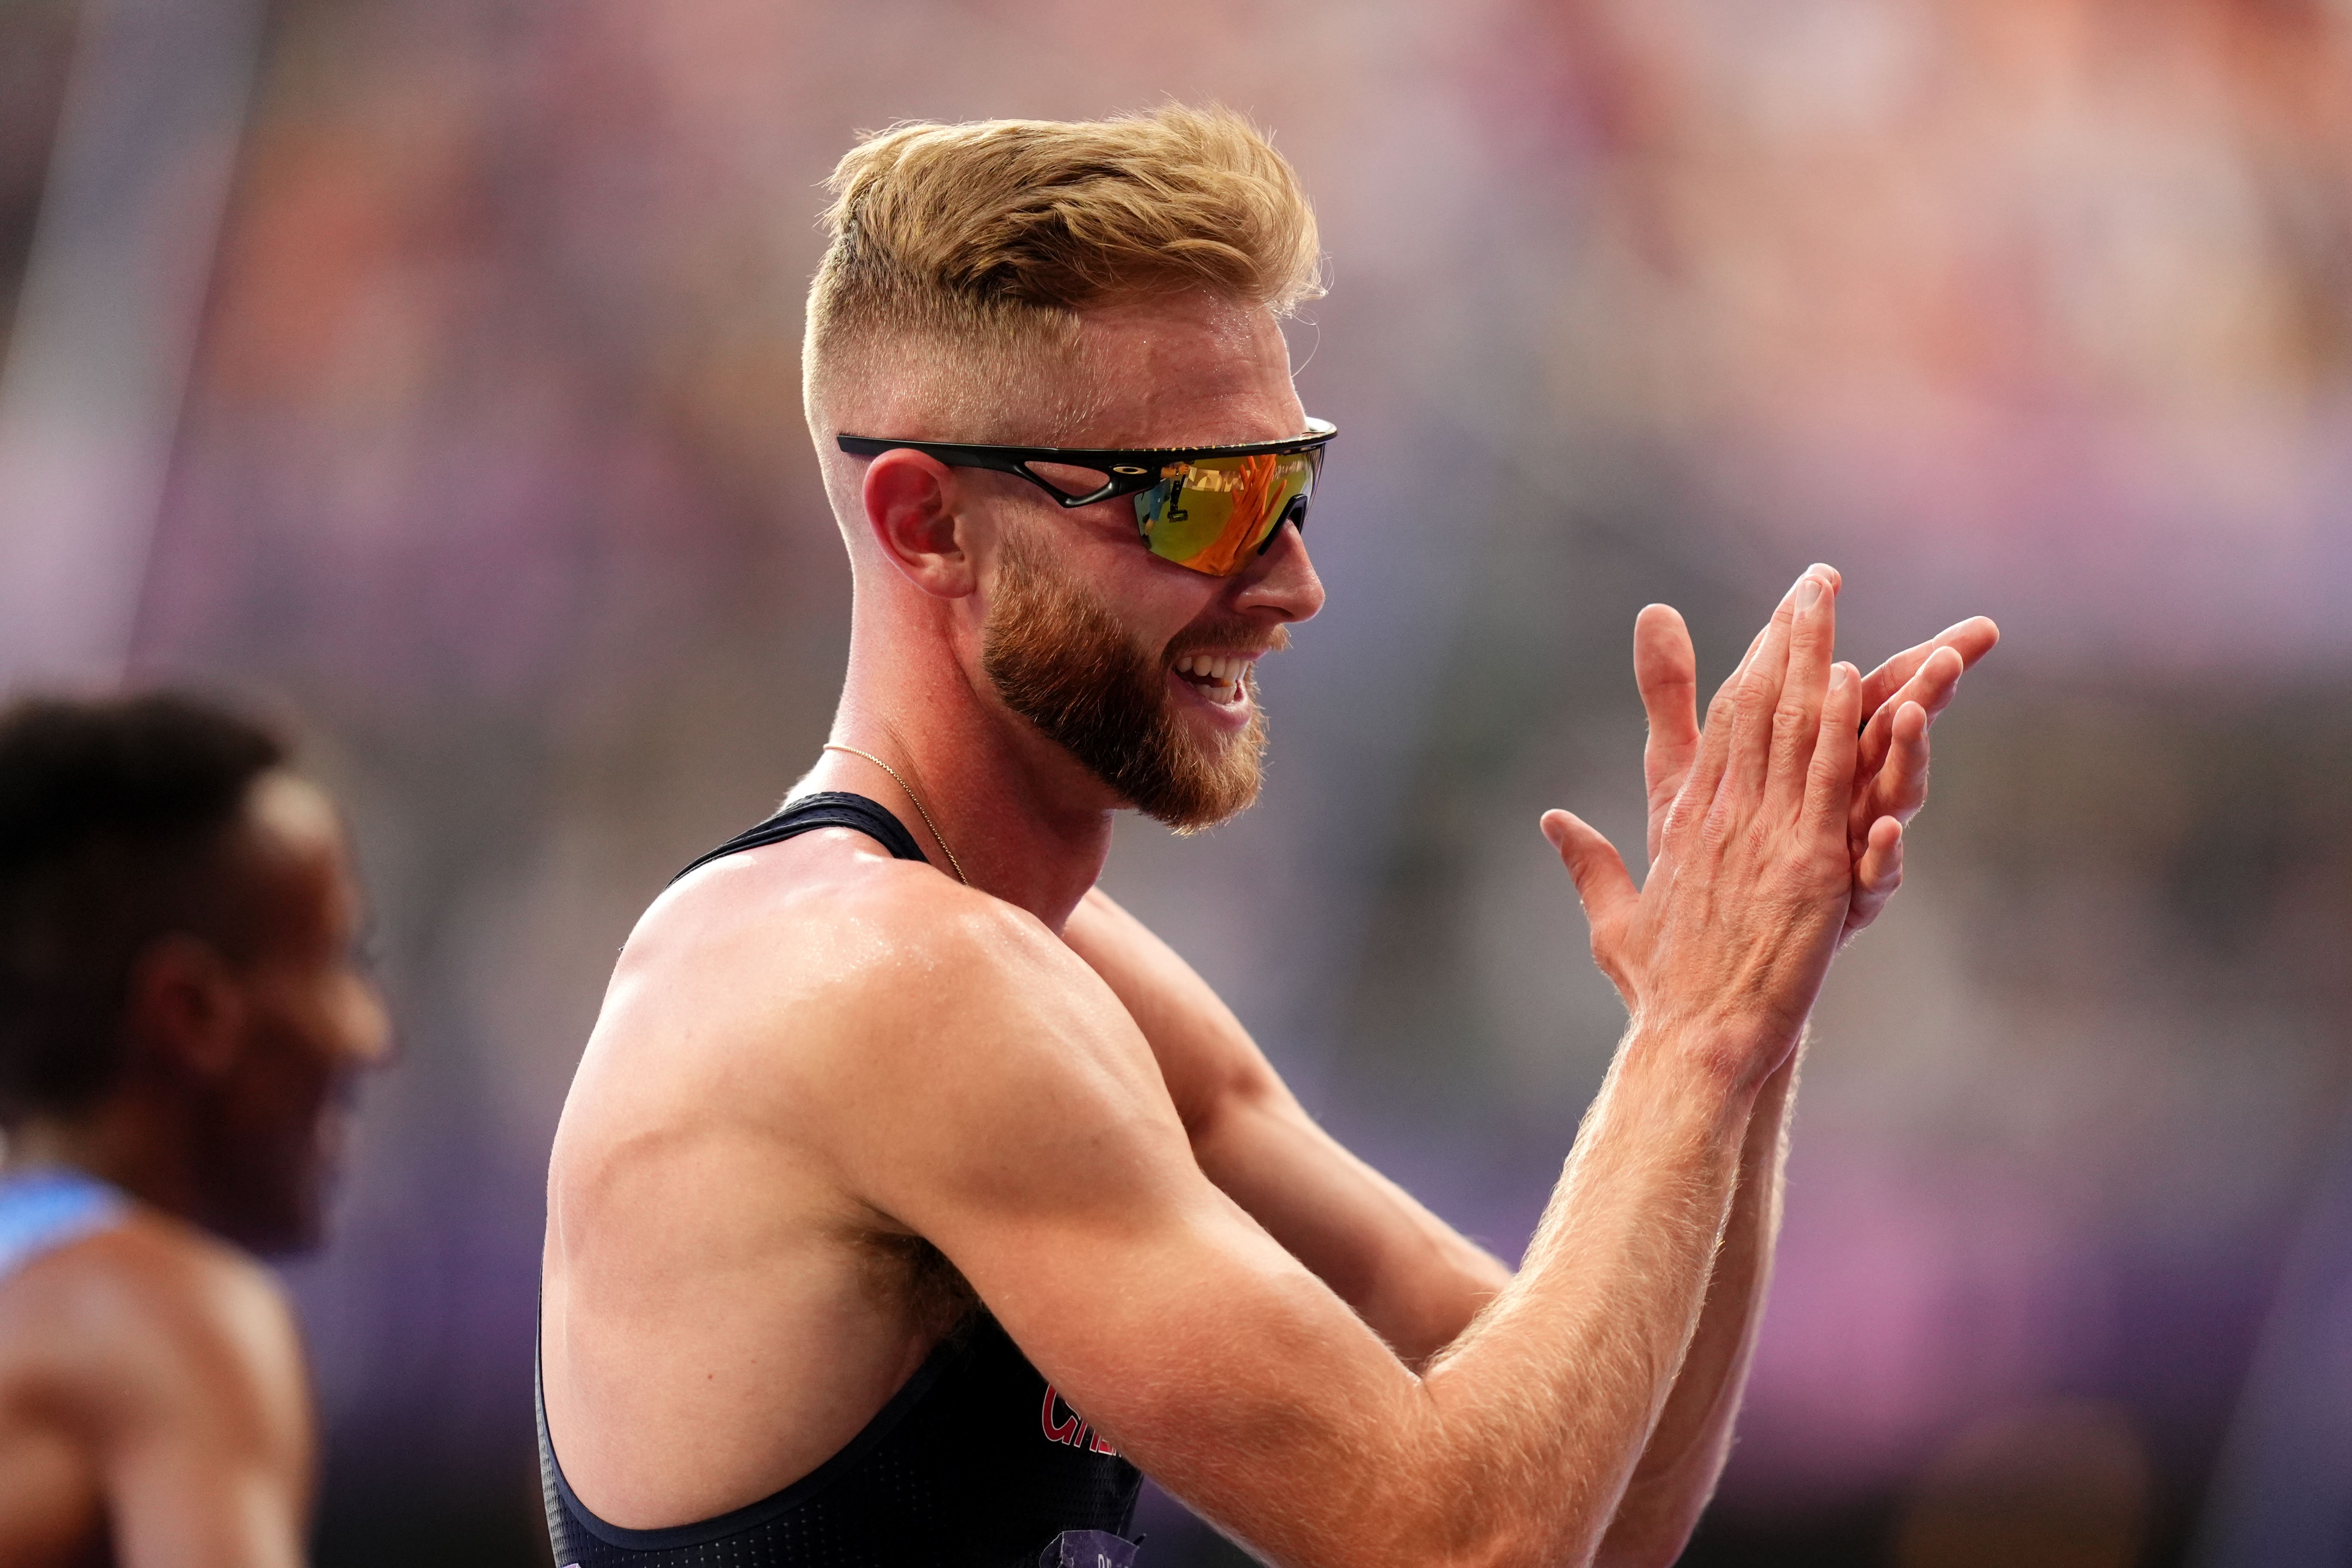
[(1218, 670)]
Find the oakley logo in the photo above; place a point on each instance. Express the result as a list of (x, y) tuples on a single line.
[(1125, 468), (1071, 1430)]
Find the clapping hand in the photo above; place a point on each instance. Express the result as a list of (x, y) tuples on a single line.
[(1775, 832), (1902, 698)]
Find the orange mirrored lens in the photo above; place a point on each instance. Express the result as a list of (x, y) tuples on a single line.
[(1212, 514)]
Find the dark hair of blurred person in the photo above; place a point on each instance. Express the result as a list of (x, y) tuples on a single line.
[(179, 1010)]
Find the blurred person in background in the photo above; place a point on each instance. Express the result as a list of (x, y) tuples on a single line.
[(909, 1188), (181, 1011)]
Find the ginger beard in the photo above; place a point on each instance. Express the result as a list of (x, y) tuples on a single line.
[(1061, 661)]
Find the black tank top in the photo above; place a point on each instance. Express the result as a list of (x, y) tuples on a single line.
[(976, 1462)]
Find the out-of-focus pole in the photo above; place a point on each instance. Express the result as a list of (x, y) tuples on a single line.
[(98, 363)]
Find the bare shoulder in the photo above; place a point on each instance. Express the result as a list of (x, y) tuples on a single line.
[(823, 909), (828, 921), (1137, 965), (154, 1319), (1205, 1054), (810, 977)]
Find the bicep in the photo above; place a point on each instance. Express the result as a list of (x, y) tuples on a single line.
[(1058, 1178), (1195, 1342), (1413, 1278)]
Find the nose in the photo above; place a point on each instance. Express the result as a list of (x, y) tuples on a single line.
[(1283, 579), (367, 1037)]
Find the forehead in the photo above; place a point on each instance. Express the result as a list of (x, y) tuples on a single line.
[(296, 846), (1188, 370)]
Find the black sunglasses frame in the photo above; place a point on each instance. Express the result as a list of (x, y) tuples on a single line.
[(1132, 469)]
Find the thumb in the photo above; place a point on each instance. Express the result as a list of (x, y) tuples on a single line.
[(1602, 880)]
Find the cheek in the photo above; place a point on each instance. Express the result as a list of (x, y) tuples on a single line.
[(296, 1056), (1153, 601)]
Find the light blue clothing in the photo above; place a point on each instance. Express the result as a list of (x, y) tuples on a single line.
[(42, 1210)]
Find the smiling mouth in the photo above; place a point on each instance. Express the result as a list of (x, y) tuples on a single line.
[(1217, 677)]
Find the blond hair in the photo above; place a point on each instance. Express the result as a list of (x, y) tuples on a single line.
[(961, 254)]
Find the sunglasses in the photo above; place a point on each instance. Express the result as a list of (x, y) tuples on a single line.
[(1213, 509)]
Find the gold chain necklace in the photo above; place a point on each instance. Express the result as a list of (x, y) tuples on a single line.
[(919, 805)]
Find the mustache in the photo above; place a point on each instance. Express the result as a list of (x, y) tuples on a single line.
[(1227, 637)]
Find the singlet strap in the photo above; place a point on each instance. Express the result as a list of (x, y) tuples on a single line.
[(42, 1210), (828, 808)]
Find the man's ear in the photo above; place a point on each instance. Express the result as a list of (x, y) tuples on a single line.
[(911, 506), (185, 1011)]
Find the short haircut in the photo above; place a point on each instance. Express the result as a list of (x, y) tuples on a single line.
[(960, 254), (117, 818)]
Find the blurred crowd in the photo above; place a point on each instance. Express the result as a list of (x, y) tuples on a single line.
[(491, 469)]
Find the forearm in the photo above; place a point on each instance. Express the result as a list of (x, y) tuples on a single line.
[(1408, 1274), (1550, 1399), (1677, 1472), (1435, 1287), (1416, 1280)]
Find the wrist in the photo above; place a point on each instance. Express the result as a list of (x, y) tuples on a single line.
[(1730, 1060)]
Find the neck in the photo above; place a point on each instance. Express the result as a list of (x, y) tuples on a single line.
[(1027, 824), (129, 1141)]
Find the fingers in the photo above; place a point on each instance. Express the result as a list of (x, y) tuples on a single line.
[(1602, 883), (1877, 875), (1715, 741), (1796, 717), (1971, 639), (1881, 867), (1932, 687), (1759, 695), (1665, 669), (1899, 788), (1829, 781)]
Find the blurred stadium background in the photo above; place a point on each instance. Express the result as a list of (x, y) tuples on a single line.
[(427, 370)]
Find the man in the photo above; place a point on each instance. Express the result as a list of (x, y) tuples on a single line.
[(178, 1011), (909, 1188)]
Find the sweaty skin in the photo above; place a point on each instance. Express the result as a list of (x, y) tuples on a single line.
[(811, 1054), (154, 1407)]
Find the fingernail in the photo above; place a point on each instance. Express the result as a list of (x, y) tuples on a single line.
[(1808, 591)]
